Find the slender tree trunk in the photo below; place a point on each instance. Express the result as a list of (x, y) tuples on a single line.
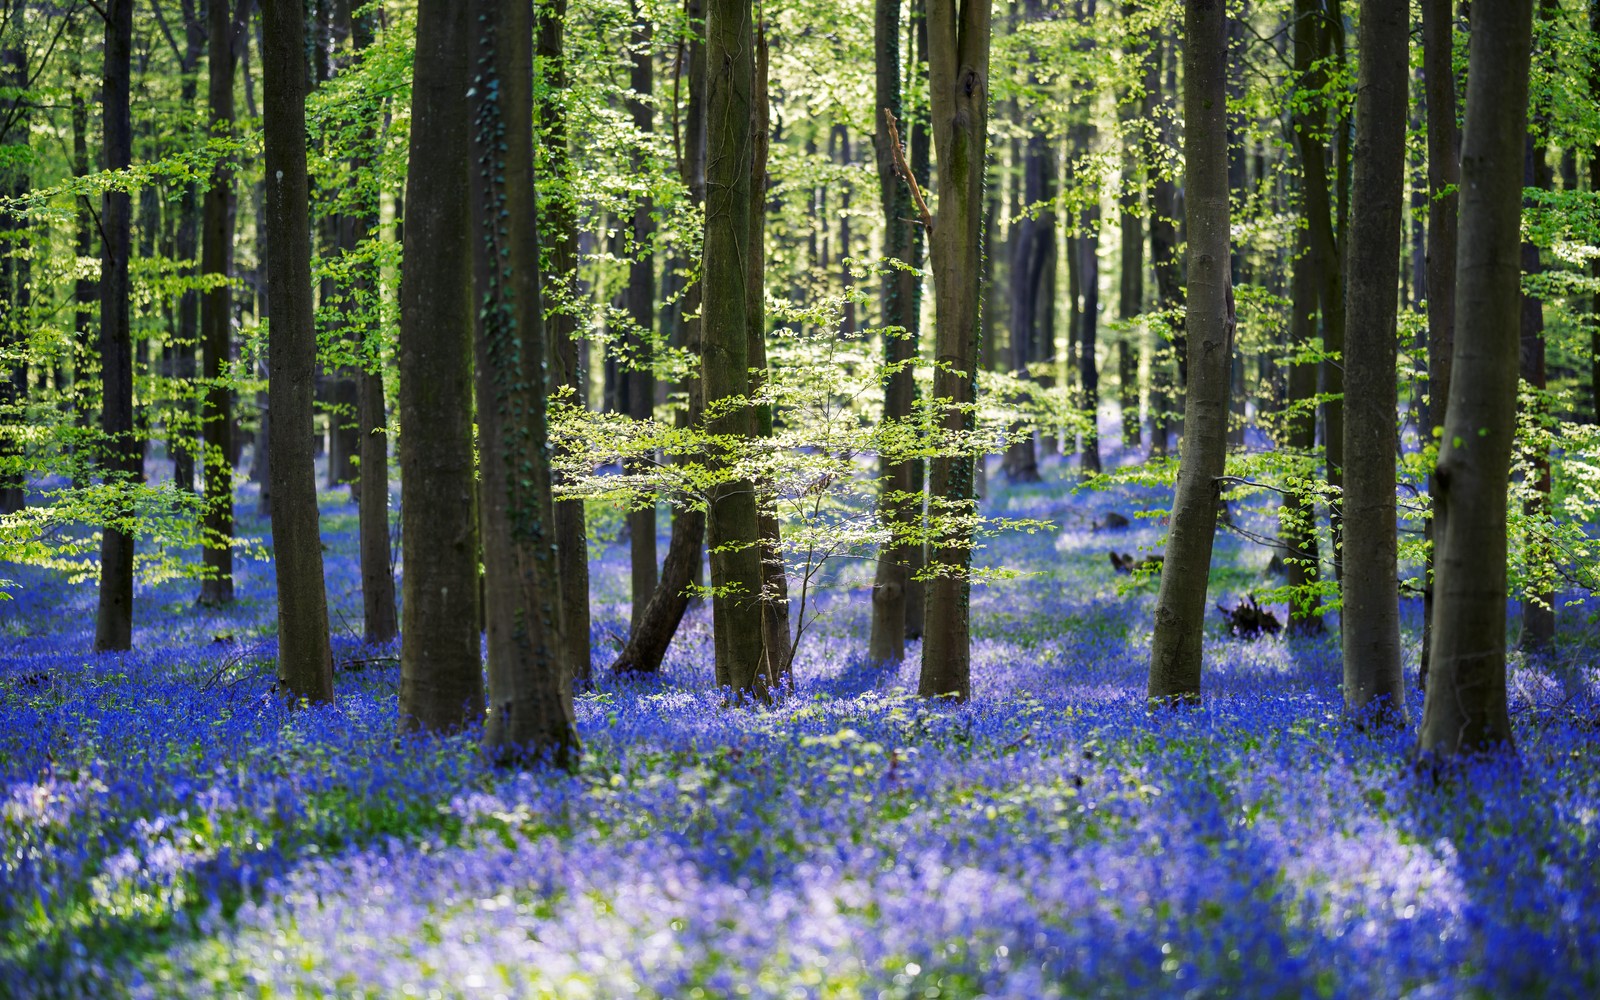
[(371, 422), (530, 683), (441, 668), (1444, 176), (900, 499), (122, 453), (652, 633), (1370, 621), (641, 307), (181, 433), (1130, 285), (736, 571), (13, 279), (216, 319), (1299, 518), (1465, 707), (1163, 256), (561, 229), (958, 50), (1088, 245), (1032, 266), (1538, 611), (86, 348), (305, 661), (1181, 604), (775, 632), (1594, 265)]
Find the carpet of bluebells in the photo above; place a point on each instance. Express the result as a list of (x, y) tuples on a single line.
[(169, 829)]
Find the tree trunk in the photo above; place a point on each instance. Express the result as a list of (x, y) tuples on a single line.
[(371, 422), (899, 501), (958, 50), (1175, 645), (86, 348), (561, 228), (1088, 245), (1370, 621), (441, 669), (921, 149), (1465, 706), (776, 642), (1538, 611), (530, 683), (1130, 285), (216, 318), (1299, 518), (641, 307), (121, 458), (1163, 255), (652, 632), (1444, 175), (305, 661), (1032, 267), (13, 280), (181, 434), (736, 571)]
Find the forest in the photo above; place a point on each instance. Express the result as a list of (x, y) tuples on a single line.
[(800, 498)]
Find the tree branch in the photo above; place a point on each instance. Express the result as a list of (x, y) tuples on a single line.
[(905, 171)]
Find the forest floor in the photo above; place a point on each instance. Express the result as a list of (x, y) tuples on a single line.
[(169, 829)]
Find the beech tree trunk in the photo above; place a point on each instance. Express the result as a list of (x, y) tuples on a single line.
[(654, 628), (14, 132), (1465, 706), (121, 459), (561, 229), (900, 498), (530, 683), (733, 521), (1033, 268), (371, 484), (1444, 175), (216, 315), (1538, 611), (1130, 284), (1175, 645), (1163, 253), (958, 62), (305, 661), (776, 644), (1370, 621), (1299, 518), (641, 308), (441, 668)]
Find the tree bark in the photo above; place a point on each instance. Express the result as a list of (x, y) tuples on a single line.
[(216, 316), (736, 571), (775, 638), (561, 228), (1175, 645), (441, 669), (1465, 706), (900, 499), (1130, 284), (958, 62), (181, 431), (1444, 175), (1033, 269), (305, 661), (1163, 255), (14, 278), (1538, 611), (530, 683), (371, 484), (1299, 519), (1370, 621), (121, 460), (641, 308), (652, 633)]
